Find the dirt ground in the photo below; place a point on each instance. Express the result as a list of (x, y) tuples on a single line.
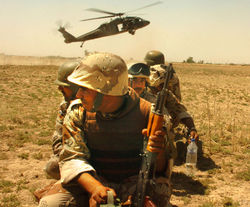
[(217, 96)]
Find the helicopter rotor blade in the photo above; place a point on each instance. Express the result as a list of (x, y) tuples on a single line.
[(153, 4), (105, 12), (100, 11), (97, 18)]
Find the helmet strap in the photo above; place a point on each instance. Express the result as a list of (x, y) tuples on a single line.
[(74, 89), (97, 102)]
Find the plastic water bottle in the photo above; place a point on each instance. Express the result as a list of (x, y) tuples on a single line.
[(191, 158)]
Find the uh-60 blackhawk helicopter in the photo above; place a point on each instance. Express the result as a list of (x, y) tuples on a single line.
[(115, 26)]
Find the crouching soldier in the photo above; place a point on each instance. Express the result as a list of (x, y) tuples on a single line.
[(103, 139), (174, 111), (68, 91), (177, 111)]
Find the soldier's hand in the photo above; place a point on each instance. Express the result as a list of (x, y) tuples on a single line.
[(99, 195), (156, 142), (193, 134)]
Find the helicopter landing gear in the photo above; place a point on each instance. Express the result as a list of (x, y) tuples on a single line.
[(81, 44), (131, 32)]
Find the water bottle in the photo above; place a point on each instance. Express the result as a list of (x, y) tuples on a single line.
[(191, 158)]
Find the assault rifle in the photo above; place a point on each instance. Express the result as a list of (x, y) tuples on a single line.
[(155, 122)]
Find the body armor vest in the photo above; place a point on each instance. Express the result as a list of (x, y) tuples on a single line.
[(115, 144)]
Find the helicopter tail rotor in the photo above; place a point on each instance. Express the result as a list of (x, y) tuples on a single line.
[(60, 23), (68, 38)]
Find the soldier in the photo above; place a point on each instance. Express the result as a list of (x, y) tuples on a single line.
[(174, 111), (103, 138), (156, 81), (69, 91), (138, 78), (154, 59)]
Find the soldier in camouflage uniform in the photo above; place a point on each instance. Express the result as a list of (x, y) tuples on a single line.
[(155, 59), (69, 91), (156, 81), (103, 139), (174, 111)]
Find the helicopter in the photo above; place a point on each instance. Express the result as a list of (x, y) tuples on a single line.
[(115, 26)]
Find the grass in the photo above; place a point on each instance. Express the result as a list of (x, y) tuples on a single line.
[(38, 156), (10, 201), (3, 156), (22, 184), (3, 128), (45, 133), (24, 156), (43, 142), (23, 137), (6, 183), (244, 175), (207, 204)]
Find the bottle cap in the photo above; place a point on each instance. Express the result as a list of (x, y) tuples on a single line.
[(193, 139)]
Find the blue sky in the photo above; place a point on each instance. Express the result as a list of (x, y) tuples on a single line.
[(216, 31)]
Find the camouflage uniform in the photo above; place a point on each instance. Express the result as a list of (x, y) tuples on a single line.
[(174, 86), (75, 158), (174, 83), (157, 78), (78, 152), (57, 136), (52, 167)]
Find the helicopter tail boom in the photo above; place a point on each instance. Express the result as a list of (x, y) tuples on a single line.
[(68, 38)]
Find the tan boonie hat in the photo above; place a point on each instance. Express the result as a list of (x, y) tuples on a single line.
[(105, 73)]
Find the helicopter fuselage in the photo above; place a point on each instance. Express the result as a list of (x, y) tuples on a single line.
[(115, 26)]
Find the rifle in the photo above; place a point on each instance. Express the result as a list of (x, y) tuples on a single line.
[(155, 122)]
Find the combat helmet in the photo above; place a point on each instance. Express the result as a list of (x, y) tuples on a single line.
[(139, 70), (154, 57), (63, 72), (105, 73)]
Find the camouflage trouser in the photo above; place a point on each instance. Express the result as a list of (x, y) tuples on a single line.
[(74, 196)]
